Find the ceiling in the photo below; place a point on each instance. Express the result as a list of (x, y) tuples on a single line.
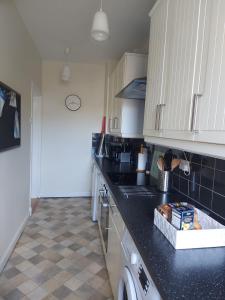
[(57, 24)]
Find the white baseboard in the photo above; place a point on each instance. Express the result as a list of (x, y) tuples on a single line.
[(4, 258), (65, 195)]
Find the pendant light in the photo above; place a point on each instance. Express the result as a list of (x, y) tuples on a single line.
[(66, 72), (100, 26)]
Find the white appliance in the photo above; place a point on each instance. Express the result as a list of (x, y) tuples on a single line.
[(103, 216), (135, 282)]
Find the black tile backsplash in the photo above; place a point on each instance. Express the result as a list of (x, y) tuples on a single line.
[(120, 144), (176, 181), (194, 175), (220, 165), (219, 182), (184, 186), (218, 204), (205, 197), (194, 191), (208, 162), (207, 177), (206, 182), (196, 158)]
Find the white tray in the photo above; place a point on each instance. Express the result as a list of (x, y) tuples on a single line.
[(212, 233)]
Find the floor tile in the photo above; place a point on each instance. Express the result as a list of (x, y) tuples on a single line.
[(58, 256), (85, 291), (63, 276), (51, 285), (16, 260), (94, 268), (26, 264), (74, 283), (14, 295), (96, 282), (62, 292), (38, 294), (27, 287), (32, 272), (11, 273)]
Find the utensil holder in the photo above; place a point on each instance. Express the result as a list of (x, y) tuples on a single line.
[(164, 181)]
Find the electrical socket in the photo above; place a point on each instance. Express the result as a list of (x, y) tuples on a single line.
[(185, 166)]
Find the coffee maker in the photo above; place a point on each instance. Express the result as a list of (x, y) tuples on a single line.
[(119, 152)]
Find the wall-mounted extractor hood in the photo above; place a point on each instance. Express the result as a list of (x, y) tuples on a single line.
[(136, 89)]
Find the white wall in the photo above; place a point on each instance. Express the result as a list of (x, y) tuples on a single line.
[(66, 135), (36, 132), (19, 64)]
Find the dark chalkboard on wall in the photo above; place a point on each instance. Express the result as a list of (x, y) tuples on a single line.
[(10, 118)]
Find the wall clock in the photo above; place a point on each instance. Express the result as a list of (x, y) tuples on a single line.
[(73, 102)]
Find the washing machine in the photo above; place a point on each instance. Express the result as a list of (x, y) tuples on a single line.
[(135, 281)]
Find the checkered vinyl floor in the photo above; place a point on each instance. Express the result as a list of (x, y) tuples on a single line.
[(58, 256)]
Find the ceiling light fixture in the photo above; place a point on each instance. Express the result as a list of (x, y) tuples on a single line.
[(100, 26), (66, 72)]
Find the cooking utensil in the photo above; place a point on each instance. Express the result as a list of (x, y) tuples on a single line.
[(161, 163), (175, 163), (168, 156)]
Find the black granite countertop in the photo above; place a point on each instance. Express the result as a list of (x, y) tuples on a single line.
[(178, 274)]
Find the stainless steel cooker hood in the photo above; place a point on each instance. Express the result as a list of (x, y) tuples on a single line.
[(136, 89)]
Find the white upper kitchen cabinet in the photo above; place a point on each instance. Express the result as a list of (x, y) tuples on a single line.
[(125, 117), (209, 121), (130, 67), (116, 103), (185, 31), (175, 62), (155, 93)]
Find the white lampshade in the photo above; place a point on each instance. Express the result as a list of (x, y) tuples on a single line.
[(100, 27), (66, 73)]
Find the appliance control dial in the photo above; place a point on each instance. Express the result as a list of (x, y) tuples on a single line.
[(133, 258)]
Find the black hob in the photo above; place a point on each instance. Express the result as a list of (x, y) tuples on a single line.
[(129, 179)]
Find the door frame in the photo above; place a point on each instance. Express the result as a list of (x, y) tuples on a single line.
[(37, 98)]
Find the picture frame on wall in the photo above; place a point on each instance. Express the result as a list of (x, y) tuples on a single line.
[(10, 118)]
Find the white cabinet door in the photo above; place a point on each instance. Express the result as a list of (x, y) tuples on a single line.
[(111, 103), (116, 104), (130, 66), (113, 256), (118, 221), (185, 23), (134, 66), (120, 70), (155, 94), (210, 120)]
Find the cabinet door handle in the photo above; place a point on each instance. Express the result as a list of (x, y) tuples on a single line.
[(116, 123), (194, 111), (113, 123), (160, 115), (156, 117), (110, 123)]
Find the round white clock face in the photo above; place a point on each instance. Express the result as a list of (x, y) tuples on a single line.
[(73, 102)]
